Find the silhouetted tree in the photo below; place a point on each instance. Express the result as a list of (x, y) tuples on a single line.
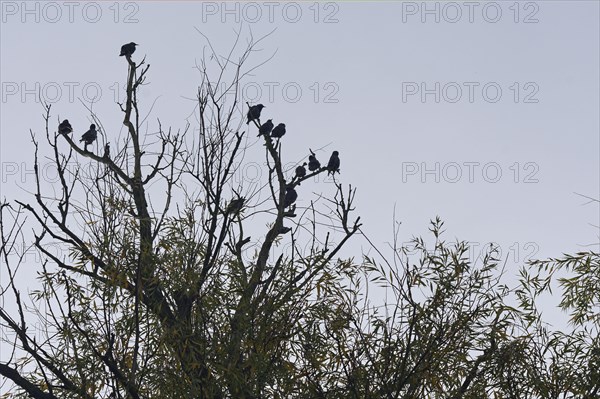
[(162, 295)]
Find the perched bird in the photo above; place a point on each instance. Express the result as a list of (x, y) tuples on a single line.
[(254, 112), (334, 163), (65, 127), (279, 131), (290, 197), (301, 171), (90, 136), (313, 164), (235, 206), (128, 49), (106, 151), (266, 127)]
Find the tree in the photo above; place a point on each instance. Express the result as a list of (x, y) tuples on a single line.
[(165, 303), (161, 294)]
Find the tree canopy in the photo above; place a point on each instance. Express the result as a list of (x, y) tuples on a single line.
[(160, 293)]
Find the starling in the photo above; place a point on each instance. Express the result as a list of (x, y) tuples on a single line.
[(90, 136), (266, 127), (334, 163), (235, 206), (313, 164), (106, 151), (301, 171), (290, 197), (279, 131), (65, 127), (254, 112), (128, 49)]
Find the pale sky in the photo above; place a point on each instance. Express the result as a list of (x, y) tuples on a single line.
[(484, 113)]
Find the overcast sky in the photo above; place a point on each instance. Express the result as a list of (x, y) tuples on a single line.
[(484, 113)]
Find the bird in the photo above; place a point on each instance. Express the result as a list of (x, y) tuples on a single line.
[(106, 151), (334, 163), (235, 206), (128, 49), (313, 164), (290, 196), (301, 171), (279, 131), (265, 128), (90, 136), (65, 127), (254, 112)]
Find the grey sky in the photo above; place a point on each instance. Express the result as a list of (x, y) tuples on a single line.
[(361, 76)]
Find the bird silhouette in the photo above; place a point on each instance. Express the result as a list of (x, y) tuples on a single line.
[(90, 136), (290, 197), (254, 112), (128, 49), (334, 163), (279, 131), (106, 151), (265, 128), (301, 171), (65, 127), (235, 206), (313, 164)]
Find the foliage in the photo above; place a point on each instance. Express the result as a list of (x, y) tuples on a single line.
[(160, 294)]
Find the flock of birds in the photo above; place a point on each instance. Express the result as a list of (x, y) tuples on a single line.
[(88, 137), (267, 128), (277, 132)]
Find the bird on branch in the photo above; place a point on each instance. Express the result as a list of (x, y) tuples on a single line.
[(89, 137), (279, 131), (128, 49), (65, 127), (313, 163), (290, 197), (235, 206), (254, 113), (265, 128), (301, 171), (334, 163)]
